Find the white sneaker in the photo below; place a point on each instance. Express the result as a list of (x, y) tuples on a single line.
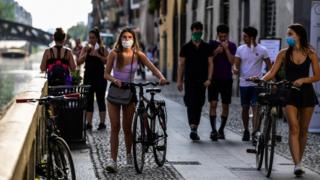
[(298, 170), (129, 159), (112, 167)]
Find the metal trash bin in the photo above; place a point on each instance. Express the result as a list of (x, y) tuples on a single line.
[(71, 117)]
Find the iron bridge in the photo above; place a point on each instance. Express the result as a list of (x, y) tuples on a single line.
[(16, 31)]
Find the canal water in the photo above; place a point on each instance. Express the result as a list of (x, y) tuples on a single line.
[(15, 75)]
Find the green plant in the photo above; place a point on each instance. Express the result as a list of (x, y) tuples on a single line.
[(76, 78)]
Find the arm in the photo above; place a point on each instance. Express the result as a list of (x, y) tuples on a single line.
[(181, 67), (43, 66), (107, 72), (268, 63), (236, 66), (230, 56), (276, 66), (315, 68), (72, 63), (103, 57), (82, 56), (146, 62), (210, 71)]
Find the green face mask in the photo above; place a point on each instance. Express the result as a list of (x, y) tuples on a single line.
[(196, 36)]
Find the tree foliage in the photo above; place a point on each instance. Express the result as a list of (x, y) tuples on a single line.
[(6, 11), (78, 31)]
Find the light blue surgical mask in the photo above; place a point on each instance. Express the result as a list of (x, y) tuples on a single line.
[(291, 41)]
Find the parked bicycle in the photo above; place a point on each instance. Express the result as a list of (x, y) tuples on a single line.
[(57, 162), (149, 127), (271, 98)]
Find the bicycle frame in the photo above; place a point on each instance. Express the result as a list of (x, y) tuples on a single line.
[(143, 109)]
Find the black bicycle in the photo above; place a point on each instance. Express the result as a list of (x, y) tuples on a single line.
[(271, 97), (149, 127), (57, 162)]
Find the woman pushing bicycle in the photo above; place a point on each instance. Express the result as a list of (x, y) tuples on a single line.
[(123, 60), (299, 107)]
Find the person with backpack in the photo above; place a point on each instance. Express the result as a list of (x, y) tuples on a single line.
[(57, 61), (94, 55)]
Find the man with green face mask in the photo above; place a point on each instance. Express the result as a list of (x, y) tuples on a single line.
[(194, 74)]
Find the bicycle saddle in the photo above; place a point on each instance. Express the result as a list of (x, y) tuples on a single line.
[(153, 90)]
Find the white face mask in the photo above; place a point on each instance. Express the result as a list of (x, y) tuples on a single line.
[(127, 44)]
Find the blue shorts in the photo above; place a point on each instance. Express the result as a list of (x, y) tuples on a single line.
[(248, 96)]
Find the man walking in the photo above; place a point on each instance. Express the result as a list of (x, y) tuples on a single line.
[(248, 62), (195, 72), (223, 57)]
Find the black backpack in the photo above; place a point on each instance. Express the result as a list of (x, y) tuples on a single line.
[(57, 69)]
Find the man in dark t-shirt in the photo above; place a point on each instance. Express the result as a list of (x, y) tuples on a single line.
[(195, 72), (223, 55)]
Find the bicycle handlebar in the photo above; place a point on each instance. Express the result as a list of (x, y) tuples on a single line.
[(280, 83), (72, 96), (141, 84)]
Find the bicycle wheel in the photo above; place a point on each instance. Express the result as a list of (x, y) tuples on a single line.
[(259, 146), (62, 166), (270, 145), (160, 140), (138, 142)]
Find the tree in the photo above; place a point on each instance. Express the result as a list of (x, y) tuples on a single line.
[(6, 11), (78, 31)]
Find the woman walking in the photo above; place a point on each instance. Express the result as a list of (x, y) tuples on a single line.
[(297, 59), (94, 55), (123, 60)]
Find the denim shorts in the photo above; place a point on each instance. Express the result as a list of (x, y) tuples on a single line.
[(248, 96)]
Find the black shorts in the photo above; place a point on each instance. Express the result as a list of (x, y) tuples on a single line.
[(306, 97), (222, 87)]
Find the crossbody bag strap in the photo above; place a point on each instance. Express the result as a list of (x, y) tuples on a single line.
[(131, 66)]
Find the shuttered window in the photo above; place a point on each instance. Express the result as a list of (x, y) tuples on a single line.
[(268, 22)]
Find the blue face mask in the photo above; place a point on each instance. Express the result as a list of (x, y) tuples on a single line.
[(291, 41)]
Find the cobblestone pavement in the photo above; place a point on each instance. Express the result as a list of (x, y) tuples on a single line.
[(312, 156), (100, 154)]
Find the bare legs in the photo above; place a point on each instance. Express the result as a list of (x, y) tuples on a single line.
[(114, 114), (298, 120)]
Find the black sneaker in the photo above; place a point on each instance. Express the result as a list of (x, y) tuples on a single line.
[(246, 135), (101, 126), (88, 126), (194, 136), (221, 135), (214, 136)]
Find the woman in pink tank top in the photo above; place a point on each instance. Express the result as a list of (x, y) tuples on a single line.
[(123, 60)]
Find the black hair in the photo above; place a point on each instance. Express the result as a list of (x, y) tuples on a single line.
[(222, 28), (251, 31), (59, 35), (197, 25), (96, 32)]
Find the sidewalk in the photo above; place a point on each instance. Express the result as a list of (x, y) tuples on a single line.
[(186, 159), (225, 159)]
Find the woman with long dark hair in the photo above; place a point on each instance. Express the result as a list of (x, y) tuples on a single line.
[(94, 55), (123, 60), (297, 59)]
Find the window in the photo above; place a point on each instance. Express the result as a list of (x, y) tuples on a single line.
[(194, 10), (224, 12), (208, 21), (268, 18)]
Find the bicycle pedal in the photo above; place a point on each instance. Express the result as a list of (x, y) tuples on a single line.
[(252, 151), (160, 148), (278, 138)]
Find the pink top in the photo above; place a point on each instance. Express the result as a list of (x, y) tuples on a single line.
[(126, 71)]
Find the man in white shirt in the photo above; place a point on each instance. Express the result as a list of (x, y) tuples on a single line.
[(248, 62)]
